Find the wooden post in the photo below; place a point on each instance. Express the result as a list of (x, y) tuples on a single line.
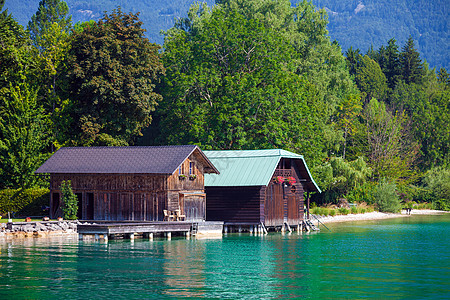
[(225, 229), (150, 236), (169, 235), (131, 236), (307, 205), (105, 238)]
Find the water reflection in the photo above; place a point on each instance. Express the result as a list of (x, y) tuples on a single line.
[(372, 259)]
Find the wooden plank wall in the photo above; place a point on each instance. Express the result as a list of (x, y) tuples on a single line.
[(119, 196), (136, 196), (234, 204), (284, 202)]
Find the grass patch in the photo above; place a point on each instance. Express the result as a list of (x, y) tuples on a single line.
[(5, 220)]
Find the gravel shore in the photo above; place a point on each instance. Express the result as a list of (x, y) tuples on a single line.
[(377, 216)]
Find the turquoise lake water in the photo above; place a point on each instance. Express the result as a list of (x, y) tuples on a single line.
[(402, 258)]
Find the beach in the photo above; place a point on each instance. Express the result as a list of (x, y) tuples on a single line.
[(377, 216)]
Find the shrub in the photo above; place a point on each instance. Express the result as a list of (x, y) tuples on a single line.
[(324, 211), (361, 210), (437, 187), (332, 212), (315, 210), (23, 202), (343, 211), (69, 201), (354, 210), (386, 197)]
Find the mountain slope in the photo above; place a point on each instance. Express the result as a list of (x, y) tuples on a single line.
[(357, 23)]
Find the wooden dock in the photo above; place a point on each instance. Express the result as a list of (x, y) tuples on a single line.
[(128, 229)]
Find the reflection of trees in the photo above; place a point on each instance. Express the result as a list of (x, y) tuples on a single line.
[(184, 268)]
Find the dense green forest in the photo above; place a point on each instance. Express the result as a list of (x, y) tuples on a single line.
[(353, 23), (242, 74)]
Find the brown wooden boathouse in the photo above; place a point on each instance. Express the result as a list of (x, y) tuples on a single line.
[(258, 187), (131, 183)]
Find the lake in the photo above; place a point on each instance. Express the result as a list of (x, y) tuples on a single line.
[(394, 258)]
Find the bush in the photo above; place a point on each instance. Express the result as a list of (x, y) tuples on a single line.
[(324, 211), (315, 210), (332, 212), (437, 187), (363, 193), (24, 202), (344, 211), (441, 205), (386, 197), (361, 210), (354, 210), (69, 201)]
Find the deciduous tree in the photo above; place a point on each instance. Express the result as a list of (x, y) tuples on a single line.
[(113, 72)]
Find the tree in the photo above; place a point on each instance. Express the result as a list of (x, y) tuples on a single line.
[(230, 84), (49, 12), (14, 58), (69, 201), (24, 137), (390, 149), (443, 77), (412, 66), (392, 69), (370, 79), (428, 106), (316, 58), (113, 72), (386, 197)]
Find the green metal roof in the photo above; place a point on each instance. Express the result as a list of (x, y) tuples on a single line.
[(251, 167)]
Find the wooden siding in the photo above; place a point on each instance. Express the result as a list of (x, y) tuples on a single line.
[(130, 197), (273, 205), (234, 204)]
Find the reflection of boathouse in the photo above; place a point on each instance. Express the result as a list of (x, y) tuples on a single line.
[(258, 186), (131, 183)]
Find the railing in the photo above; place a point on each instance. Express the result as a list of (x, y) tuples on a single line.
[(283, 172)]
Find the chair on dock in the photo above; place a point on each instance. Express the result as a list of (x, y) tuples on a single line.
[(168, 216), (179, 216)]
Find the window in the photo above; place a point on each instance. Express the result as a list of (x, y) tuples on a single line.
[(191, 168), (180, 170)]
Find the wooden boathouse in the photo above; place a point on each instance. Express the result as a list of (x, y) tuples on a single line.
[(258, 188), (131, 183)]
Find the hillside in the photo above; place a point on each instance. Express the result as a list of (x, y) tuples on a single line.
[(352, 22)]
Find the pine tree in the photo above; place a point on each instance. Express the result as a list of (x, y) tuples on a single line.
[(392, 68), (411, 64), (49, 12)]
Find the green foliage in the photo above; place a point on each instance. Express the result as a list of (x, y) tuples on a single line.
[(332, 212), (427, 105), (23, 201), (390, 150), (23, 137), (231, 84), (386, 197), (338, 177), (362, 193), (343, 211), (437, 184), (354, 210), (49, 13), (113, 72), (14, 58), (69, 200), (412, 67), (370, 79)]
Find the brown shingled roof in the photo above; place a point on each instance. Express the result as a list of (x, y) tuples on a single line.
[(129, 160)]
